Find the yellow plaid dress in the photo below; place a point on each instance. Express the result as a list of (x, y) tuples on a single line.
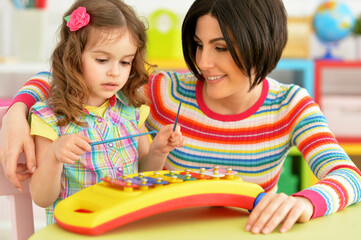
[(113, 159)]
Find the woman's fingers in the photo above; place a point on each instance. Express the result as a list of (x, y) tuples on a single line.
[(257, 211), (266, 217), (22, 172), (10, 168), (23, 176), (21, 168), (291, 219), (282, 213), (29, 151), (276, 208)]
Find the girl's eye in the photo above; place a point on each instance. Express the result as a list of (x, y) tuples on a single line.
[(100, 60), (125, 63)]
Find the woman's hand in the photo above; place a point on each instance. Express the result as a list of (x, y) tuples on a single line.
[(14, 139), (275, 208), (68, 148)]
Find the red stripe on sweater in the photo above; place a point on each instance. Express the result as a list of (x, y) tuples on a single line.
[(346, 166), (42, 85), (312, 142)]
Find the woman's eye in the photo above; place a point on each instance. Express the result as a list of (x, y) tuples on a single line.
[(200, 46), (101, 60), (220, 49)]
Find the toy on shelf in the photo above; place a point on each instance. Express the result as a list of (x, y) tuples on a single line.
[(299, 34), (117, 201), (164, 40), (332, 22)]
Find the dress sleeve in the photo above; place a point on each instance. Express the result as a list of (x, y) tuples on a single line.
[(34, 90), (143, 114), (40, 128), (43, 121), (339, 179)]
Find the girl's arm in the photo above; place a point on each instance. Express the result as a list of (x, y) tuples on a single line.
[(153, 156), (15, 134), (45, 182)]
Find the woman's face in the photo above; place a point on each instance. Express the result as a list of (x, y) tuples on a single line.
[(223, 79)]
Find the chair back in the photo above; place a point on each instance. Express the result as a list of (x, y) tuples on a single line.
[(21, 206)]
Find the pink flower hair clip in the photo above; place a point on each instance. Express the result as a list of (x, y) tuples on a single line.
[(77, 19)]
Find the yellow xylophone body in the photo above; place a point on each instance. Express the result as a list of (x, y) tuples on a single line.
[(114, 202)]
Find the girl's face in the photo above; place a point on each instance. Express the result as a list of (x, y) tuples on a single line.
[(223, 79), (107, 61)]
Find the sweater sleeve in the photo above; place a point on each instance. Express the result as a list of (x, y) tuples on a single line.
[(34, 90), (339, 179)]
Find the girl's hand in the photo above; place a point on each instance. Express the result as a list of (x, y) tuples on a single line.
[(176, 139), (275, 208), (167, 140), (68, 148)]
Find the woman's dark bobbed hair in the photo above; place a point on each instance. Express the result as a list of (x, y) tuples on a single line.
[(255, 32)]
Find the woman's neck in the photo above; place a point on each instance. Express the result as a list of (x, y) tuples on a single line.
[(234, 104)]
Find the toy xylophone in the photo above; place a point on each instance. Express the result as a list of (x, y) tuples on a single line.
[(117, 201)]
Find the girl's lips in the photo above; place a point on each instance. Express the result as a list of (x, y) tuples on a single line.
[(109, 86)]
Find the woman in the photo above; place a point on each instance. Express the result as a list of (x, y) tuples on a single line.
[(234, 116)]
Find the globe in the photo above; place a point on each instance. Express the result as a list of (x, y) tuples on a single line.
[(332, 22)]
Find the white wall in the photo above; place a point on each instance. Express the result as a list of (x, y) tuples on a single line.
[(143, 8), (308, 7), (55, 11)]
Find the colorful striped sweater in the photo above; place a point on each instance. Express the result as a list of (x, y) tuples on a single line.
[(255, 142)]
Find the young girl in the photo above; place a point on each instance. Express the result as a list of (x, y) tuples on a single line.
[(97, 72), (233, 115)]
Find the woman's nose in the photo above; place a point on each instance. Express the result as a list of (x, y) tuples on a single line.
[(204, 60)]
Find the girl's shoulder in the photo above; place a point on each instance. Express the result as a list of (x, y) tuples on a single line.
[(43, 108), (44, 111)]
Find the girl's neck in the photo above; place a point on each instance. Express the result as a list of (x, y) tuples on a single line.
[(95, 102)]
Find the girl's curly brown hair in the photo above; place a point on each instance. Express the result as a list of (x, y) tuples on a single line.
[(69, 90)]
